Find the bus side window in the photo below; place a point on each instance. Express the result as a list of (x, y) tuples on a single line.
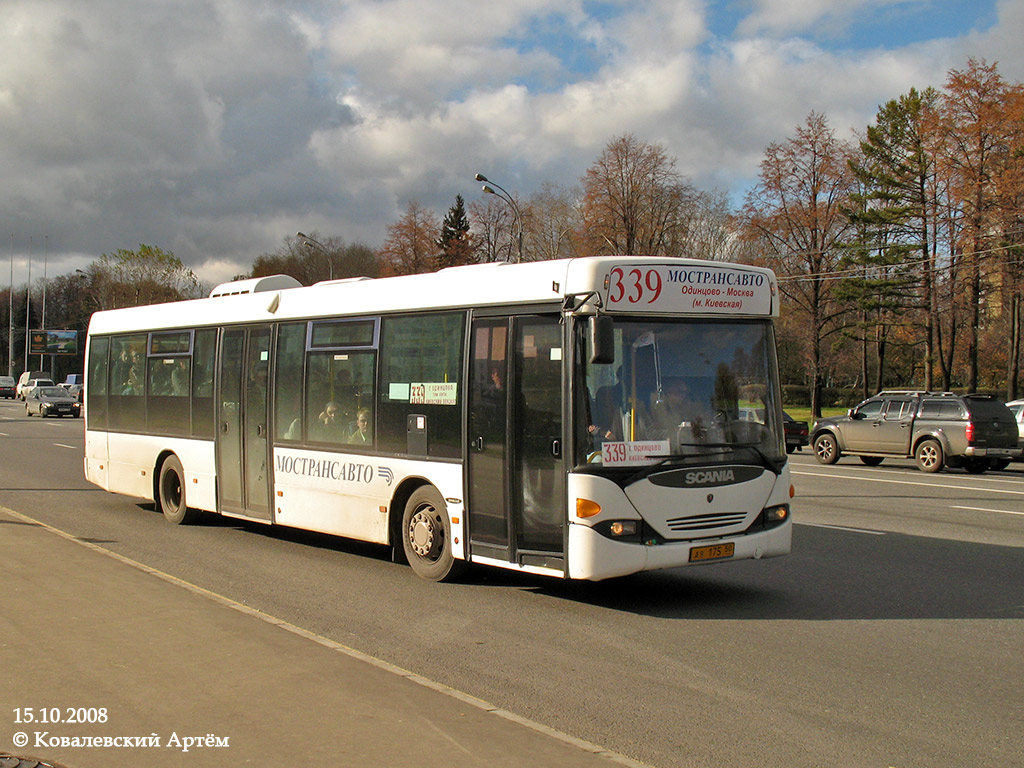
[(291, 348), (96, 387), (203, 350), (127, 383), (421, 366)]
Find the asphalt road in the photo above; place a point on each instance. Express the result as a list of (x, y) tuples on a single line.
[(892, 636)]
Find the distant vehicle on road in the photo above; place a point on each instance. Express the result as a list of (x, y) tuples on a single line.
[(31, 384), (8, 387), (74, 385), (937, 429), (28, 376), (51, 401), (1017, 409), (797, 433)]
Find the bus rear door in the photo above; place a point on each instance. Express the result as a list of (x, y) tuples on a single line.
[(243, 459)]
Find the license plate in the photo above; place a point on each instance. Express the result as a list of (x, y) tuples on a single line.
[(713, 552)]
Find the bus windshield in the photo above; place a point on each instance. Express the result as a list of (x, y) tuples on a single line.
[(680, 388)]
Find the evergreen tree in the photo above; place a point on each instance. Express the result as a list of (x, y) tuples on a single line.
[(455, 244), (894, 219)]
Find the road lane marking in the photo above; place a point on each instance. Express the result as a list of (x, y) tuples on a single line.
[(842, 528), (983, 509), (72, 447), (861, 479)]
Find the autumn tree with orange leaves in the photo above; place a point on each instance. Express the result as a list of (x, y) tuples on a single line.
[(797, 215)]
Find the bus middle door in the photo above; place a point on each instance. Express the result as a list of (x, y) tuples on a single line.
[(516, 482)]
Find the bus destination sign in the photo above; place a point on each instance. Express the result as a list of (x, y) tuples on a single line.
[(704, 289)]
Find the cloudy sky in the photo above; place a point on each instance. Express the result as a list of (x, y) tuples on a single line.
[(214, 128)]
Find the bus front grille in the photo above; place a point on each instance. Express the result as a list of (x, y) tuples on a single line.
[(703, 522)]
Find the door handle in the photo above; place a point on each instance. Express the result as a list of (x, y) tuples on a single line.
[(556, 448), (477, 444), (224, 427)]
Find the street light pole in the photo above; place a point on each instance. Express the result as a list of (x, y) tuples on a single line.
[(516, 214), (10, 317), (46, 256), (28, 304), (310, 243)]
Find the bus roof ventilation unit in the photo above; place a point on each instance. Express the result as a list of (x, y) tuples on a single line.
[(255, 285)]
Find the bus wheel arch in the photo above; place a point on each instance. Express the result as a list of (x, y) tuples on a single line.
[(169, 490), (426, 537)]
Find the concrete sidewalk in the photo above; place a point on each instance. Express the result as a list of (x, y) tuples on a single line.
[(87, 635)]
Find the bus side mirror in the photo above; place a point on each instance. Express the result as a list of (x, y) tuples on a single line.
[(602, 340)]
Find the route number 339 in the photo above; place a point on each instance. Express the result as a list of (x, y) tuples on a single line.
[(634, 285)]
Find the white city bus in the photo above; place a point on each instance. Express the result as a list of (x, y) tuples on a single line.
[(584, 418)]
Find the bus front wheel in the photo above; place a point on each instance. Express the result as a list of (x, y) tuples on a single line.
[(170, 495), (425, 536)]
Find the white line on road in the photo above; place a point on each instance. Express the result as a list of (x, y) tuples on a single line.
[(843, 528), (72, 447), (983, 509), (860, 478)]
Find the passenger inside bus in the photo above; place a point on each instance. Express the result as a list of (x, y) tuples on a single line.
[(329, 426), (362, 434)]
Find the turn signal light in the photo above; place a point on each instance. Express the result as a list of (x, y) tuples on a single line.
[(587, 508)]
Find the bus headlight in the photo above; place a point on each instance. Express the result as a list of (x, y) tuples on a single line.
[(624, 528), (776, 514)]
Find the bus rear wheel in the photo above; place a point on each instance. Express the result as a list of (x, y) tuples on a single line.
[(170, 495), (425, 536)]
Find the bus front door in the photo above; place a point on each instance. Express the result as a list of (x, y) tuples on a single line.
[(516, 481), (243, 476)]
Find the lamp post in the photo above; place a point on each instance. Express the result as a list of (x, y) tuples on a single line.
[(10, 317), (28, 304), (46, 256), (502, 194), (310, 243)]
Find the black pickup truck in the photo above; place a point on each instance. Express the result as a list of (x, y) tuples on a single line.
[(937, 429)]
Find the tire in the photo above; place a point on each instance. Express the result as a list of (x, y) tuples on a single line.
[(929, 456), (170, 497), (790, 448), (426, 538), (871, 461), (976, 466), (998, 464), (826, 449)]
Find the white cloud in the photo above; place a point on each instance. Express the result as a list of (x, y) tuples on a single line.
[(214, 128)]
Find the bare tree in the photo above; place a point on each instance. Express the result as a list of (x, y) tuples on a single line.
[(552, 224), (313, 258), (634, 200), (492, 224), (411, 245)]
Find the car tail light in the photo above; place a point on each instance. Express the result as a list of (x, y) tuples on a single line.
[(970, 431)]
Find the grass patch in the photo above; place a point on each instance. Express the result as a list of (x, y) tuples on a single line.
[(803, 413)]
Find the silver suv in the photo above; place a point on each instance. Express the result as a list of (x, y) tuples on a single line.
[(938, 429)]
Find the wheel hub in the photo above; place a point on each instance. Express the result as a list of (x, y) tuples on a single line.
[(421, 534)]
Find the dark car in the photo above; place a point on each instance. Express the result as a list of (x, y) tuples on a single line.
[(51, 401), (797, 433), (8, 387)]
